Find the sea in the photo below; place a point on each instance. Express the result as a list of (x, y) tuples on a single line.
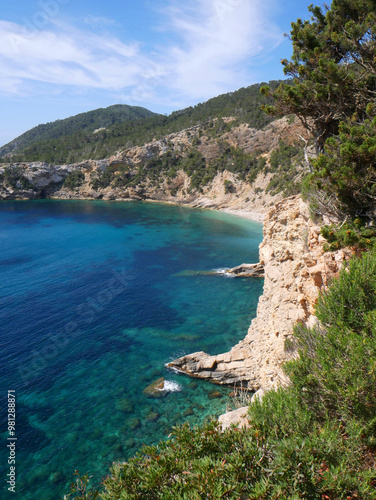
[(95, 298)]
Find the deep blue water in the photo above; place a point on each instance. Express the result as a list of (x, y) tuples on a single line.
[(93, 303)]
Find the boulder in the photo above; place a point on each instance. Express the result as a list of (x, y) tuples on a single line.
[(155, 390), (237, 417)]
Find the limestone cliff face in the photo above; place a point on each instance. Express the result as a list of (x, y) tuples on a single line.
[(295, 270)]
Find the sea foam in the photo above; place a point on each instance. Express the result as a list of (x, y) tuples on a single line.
[(170, 386), (224, 272)]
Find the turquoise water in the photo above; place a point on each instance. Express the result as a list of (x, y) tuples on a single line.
[(93, 304)]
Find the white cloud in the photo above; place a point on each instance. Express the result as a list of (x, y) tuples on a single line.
[(67, 57), (220, 40), (211, 49)]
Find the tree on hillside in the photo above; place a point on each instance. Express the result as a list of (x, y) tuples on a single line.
[(333, 67)]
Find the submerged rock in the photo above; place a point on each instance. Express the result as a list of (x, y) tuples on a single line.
[(57, 477), (125, 405), (152, 416), (215, 395), (130, 443), (134, 423), (188, 412), (155, 390)]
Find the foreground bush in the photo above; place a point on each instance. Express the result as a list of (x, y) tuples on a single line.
[(355, 234)]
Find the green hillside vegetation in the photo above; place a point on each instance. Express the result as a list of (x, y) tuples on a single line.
[(283, 164), (245, 166), (193, 163), (84, 122), (78, 144)]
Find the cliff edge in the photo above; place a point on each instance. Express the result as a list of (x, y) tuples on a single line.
[(296, 268)]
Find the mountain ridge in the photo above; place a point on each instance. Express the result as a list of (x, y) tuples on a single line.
[(76, 144), (87, 121)]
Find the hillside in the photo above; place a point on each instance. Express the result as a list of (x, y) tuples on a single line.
[(213, 165), (84, 122), (72, 140)]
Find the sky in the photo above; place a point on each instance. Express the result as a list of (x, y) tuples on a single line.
[(59, 58)]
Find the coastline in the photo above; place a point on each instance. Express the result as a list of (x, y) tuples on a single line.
[(296, 269), (245, 214), (253, 215), (242, 213), (144, 340)]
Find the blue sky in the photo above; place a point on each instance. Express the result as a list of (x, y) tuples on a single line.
[(63, 57)]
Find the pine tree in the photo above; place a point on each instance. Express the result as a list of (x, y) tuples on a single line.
[(333, 93)]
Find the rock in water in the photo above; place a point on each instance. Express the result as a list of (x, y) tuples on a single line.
[(155, 390), (248, 271)]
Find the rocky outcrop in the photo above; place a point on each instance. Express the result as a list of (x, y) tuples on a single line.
[(296, 269), (247, 271), (236, 418), (242, 271), (155, 389), (40, 180)]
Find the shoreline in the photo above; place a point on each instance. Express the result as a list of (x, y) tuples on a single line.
[(242, 213)]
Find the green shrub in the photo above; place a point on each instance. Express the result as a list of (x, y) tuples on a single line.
[(283, 164), (103, 180), (74, 179), (14, 178), (229, 187), (336, 372), (355, 234)]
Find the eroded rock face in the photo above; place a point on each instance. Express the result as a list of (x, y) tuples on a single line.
[(296, 268)]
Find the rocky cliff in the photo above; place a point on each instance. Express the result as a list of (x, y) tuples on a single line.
[(296, 268), (129, 174)]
